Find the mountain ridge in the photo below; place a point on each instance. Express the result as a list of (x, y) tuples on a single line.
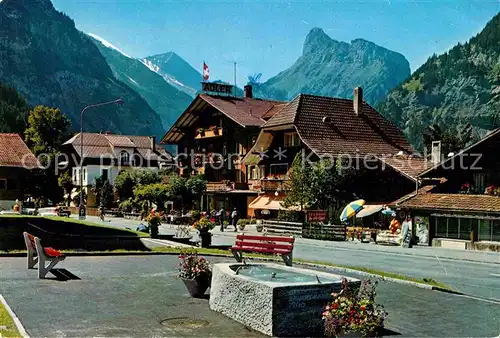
[(177, 71), (328, 67), (48, 61), (165, 99), (456, 88)]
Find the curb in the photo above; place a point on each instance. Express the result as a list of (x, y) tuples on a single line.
[(16, 320)]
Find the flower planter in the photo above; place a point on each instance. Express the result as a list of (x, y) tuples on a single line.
[(197, 287), (357, 334), (206, 239)]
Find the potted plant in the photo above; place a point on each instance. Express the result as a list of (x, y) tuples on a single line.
[(242, 223), (154, 219), (354, 311), (201, 131), (215, 130), (195, 272), (204, 225)]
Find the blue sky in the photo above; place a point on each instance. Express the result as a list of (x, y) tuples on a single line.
[(267, 36)]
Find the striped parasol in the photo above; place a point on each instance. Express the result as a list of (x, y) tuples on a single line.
[(351, 209)]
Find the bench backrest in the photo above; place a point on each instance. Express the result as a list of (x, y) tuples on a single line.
[(268, 242), (29, 239)]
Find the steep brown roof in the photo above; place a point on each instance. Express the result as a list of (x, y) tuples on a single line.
[(247, 112), (286, 115), (274, 110), (343, 132), (101, 145), (244, 111), (453, 202), (409, 166), (15, 153)]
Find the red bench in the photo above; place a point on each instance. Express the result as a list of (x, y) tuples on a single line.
[(264, 244), (38, 254)]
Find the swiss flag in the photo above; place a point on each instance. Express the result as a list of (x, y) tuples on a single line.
[(206, 72)]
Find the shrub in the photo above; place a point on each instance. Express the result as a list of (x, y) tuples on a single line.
[(354, 310), (127, 205), (195, 215)]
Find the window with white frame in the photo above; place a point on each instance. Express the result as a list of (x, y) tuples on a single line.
[(124, 158)]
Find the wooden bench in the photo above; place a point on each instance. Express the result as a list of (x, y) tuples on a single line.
[(264, 244), (38, 254)]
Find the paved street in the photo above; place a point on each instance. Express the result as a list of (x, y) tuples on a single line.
[(462, 270), (131, 296), (471, 272)]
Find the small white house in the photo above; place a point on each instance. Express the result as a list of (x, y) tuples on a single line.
[(106, 155)]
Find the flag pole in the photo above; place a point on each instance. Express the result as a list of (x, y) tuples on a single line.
[(234, 78)]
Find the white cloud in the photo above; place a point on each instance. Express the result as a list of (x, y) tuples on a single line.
[(107, 43)]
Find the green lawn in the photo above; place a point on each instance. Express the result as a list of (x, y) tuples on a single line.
[(92, 224), (7, 326)]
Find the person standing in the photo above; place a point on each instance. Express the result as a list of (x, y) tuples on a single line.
[(235, 216), (221, 215)]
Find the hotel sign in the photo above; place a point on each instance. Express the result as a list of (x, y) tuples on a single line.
[(316, 215), (217, 88)]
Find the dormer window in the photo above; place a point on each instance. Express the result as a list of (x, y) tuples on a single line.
[(124, 158)]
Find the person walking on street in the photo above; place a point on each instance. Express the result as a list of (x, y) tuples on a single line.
[(221, 215), (101, 212), (235, 216)]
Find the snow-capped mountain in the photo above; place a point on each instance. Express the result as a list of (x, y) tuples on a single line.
[(156, 89), (176, 71)]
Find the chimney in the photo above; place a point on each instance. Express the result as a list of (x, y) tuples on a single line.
[(436, 152), (152, 139), (248, 91), (358, 101)]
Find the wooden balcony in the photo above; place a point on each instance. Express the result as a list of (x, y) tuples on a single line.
[(273, 184), (224, 186), (209, 133)]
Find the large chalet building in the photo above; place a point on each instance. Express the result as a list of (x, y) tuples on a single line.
[(245, 147), (212, 136), (336, 129)]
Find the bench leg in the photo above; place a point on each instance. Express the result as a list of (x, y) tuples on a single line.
[(32, 260), (287, 258), (237, 255), (44, 270)]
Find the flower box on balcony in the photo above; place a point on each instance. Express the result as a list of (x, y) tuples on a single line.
[(207, 133)]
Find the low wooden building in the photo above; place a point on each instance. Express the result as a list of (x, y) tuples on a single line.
[(16, 162), (458, 204)]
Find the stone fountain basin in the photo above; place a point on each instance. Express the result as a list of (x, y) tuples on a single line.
[(274, 299)]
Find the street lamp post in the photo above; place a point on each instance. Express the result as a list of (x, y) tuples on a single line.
[(81, 208)]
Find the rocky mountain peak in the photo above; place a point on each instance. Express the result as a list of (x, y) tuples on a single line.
[(317, 40)]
